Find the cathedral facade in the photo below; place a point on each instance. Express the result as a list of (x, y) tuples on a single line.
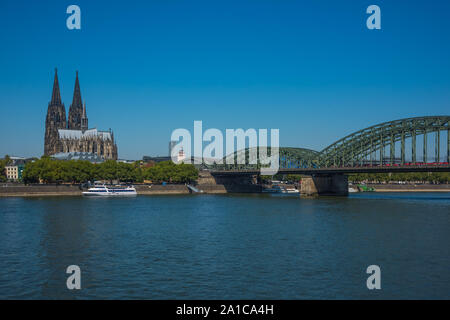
[(72, 134)]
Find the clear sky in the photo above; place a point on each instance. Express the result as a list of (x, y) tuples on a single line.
[(310, 68)]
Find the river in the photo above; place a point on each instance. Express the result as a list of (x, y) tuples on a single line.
[(226, 246)]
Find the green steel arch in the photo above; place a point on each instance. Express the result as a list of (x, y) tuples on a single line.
[(288, 158), (370, 145), (388, 143), (298, 158)]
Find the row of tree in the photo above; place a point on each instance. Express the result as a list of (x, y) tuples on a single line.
[(421, 177), (49, 170)]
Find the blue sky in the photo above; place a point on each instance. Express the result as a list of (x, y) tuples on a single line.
[(310, 68)]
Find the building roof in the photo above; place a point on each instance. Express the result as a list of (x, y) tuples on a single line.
[(92, 157), (71, 134), (14, 161), (155, 159)]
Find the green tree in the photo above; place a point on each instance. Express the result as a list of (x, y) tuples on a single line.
[(167, 171), (50, 170)]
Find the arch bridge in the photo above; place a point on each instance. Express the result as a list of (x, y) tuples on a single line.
[(420, 141), (420, 144)]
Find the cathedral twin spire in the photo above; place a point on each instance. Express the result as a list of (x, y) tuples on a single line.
[(57, 140), (77, 112)]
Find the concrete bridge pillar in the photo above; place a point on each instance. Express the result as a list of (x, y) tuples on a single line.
[(326, 184)]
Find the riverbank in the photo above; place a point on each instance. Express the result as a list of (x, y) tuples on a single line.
[(410, 187), (18, 190), (74, 190)]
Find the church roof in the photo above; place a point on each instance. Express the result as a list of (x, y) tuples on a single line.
[(71, 134), (92, 157)]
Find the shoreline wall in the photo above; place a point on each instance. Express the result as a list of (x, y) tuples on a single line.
[(410, 187), (160, 189), (17, 190), (205, 188)]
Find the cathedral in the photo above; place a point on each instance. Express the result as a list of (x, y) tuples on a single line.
[(73, 134)]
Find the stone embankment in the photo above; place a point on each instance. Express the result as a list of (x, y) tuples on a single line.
[(410, 187), (20, 190)]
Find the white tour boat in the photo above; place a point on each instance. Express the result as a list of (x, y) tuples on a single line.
[(103, 190), (291, 190), (280, 189)]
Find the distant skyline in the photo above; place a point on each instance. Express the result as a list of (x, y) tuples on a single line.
[(311, 69)]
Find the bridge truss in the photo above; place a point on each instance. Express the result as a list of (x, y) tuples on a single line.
[(404, 142), (386, 144)]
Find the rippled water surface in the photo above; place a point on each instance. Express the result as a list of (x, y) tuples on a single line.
[(226, 246)]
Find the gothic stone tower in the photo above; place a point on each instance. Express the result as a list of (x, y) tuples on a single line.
[(56, 119), (74, 136), (76, 108)]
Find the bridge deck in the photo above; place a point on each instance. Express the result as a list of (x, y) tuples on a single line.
[(343, 170)]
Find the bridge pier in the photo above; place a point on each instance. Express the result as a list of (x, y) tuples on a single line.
[(324, 184), (228, 183)]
